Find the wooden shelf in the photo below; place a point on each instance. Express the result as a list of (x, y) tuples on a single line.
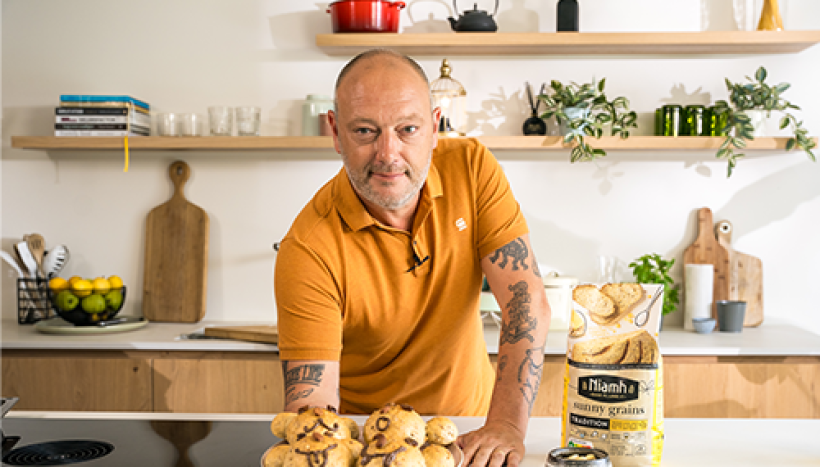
[(584, 43), (634, 143)]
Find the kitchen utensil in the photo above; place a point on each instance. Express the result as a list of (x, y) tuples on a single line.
[(266, 334), (365, 15), (176, 256), (745, 276), (643, 317), (120, 320), (706, 250), (55, 260), (13, 263), (25, 307), (731, 315), (474, 20), (37, 245), (27, 259)]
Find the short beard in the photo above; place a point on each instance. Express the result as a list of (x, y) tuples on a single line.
[(360, 180)]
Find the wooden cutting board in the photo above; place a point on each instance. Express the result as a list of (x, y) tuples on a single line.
[(745, 276), (176, 256), (706, 250), (266, 334)]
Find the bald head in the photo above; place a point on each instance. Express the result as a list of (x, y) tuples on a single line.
[(375, 59)]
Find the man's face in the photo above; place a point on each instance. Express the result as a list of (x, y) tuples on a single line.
[(385, 131)]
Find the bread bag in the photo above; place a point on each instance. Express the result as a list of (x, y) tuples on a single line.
[(613, 383)]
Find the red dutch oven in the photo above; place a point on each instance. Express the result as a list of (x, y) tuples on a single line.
[(365, 15)]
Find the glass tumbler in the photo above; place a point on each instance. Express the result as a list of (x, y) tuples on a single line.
[(248, 121), (221, 118), (168, 124), (191, 125)]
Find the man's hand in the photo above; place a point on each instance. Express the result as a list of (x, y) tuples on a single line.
[(493, 445)]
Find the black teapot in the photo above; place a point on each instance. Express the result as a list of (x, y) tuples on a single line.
[(474, 20)]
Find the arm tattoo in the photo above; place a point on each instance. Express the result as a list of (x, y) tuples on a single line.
[(520, 323), (301, 375), (535, 269), (501, 365), (529, 375), (517, 250)]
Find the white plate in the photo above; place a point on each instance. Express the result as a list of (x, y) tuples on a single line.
[(61, 326)]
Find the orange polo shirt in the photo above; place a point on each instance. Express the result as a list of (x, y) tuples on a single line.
[(399, 310)]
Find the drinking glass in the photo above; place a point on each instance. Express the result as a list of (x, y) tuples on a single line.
[(191, 125), (248, 121), (168, 124), (221, 118)]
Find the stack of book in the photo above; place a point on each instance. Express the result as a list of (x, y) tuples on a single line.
[(93, 115)]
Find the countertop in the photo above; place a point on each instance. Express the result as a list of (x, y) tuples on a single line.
[(773, 338), (241, 439)]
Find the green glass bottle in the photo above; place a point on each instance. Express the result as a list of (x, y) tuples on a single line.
[(696, 124), (673, 121)]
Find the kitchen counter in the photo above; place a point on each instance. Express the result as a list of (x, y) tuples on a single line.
[(773, 338), (241, 439)]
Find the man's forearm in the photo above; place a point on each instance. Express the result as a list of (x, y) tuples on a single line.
[(313, 383), (520, 356)]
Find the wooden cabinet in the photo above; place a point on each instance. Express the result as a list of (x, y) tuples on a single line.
[(70, 380), (218, 382), (251, 382), (716, 387)]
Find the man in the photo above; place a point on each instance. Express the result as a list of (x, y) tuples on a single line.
[(378, 281)]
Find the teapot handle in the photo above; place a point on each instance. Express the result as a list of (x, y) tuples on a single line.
[(455, 9), (496, 8)]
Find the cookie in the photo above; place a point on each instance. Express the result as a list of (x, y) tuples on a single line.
[(441, 430), (310, 419), (395, 421), (437, 456), (394, 452)]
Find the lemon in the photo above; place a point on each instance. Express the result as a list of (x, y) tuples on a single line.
[(73, 279), (82, 288), (101, 286), (58, 284), (115, 282)]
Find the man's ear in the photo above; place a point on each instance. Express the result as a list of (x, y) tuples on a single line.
[(331, 120), (436, 122)]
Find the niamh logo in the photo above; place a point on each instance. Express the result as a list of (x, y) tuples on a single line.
[(608, 388)]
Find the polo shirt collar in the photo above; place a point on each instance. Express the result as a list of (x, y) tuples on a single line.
[(353, 211)]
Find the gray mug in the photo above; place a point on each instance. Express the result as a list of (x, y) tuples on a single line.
[(730, 315)]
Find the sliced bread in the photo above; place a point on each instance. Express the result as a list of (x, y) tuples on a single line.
[(600, 305), (625, 295)]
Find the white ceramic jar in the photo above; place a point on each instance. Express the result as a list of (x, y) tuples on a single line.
[(559, 295)]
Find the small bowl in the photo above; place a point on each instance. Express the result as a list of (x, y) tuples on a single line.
[(79, 317), (704, 325)]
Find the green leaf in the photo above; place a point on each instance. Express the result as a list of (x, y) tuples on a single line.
[(760, 75), (782, 87), (784, 122), (790, 144), (601, 85)]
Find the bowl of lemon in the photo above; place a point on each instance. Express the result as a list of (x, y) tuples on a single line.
[(86, 302)]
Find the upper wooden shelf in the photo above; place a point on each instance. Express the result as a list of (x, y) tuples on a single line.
[(568, 43), (634, 143)]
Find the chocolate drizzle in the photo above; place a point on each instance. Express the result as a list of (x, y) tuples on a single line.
[(388, 457), (407, 407), (382, 423), (411, 442), (317, 458)]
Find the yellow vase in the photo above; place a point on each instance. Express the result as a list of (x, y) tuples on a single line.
[(770, 19)]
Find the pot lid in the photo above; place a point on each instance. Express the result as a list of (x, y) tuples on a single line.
[(552, 279)]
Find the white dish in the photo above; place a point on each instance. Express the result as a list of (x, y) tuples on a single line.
[(61, 326)]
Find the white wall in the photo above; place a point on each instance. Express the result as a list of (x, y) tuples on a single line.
[(183, 56)]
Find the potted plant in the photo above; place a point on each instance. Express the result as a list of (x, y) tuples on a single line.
[(583, 110), (750, 102), (654, 269)]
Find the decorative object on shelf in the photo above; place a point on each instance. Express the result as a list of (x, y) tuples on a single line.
[(653, 269), (583, 110), (672, 120), (450, 96), (770, 19), (695, 121), (248, 120), (221, 120), (757, 95), (534, 125), (314, 105), (474, 20), (567, 16), (365, 15)]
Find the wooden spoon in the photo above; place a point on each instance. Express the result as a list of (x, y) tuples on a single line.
[(37, 245)]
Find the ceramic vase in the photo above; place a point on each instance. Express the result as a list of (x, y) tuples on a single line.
[(770, 19)]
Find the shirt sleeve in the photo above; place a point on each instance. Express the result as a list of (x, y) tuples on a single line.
[(307, 304), (500, 219)]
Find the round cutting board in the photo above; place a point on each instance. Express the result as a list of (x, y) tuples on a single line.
[(61, 326)]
